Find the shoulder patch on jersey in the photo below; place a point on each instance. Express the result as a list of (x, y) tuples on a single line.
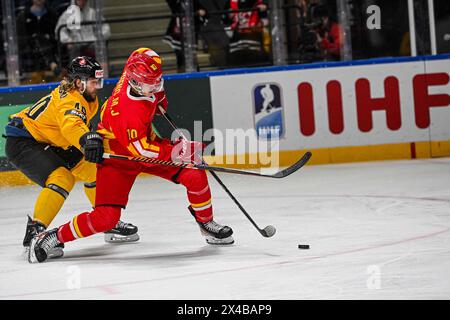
[(77, 113)]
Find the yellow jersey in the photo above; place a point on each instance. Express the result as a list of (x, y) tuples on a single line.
[(59, 119)]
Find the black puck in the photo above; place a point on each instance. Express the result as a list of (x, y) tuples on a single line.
[(303, 246)]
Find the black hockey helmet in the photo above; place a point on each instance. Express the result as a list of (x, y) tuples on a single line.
[(84, 67)]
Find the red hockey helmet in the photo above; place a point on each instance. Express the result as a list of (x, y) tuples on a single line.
[(143, 71)]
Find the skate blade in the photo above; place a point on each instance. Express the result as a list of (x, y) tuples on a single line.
[(117, 238), (219, 242)]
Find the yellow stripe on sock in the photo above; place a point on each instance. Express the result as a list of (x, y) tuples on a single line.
[(77, 229), (198, 205)]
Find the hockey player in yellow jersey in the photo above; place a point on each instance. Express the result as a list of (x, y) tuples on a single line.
[(52, 143)]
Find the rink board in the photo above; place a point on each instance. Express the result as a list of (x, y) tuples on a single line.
[(345, 113)]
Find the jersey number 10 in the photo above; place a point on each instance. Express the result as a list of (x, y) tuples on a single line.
[(132, 134)]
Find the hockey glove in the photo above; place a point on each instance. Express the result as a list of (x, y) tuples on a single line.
[(188, 151), (92, 147)]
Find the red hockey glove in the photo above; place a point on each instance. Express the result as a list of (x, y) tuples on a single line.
[(188, 151)]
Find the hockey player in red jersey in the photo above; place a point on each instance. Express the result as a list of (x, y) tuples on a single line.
[(126, 128)]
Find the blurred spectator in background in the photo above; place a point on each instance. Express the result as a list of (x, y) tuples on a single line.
[(329, 34), (36, 42), (307, 8), (246, 44), (212, 30), (304, 41), (78, 39), (174, 32), (58, 6), (173, 36), (313, 32)]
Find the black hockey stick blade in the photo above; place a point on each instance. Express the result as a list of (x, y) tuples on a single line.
[(268, 231), (300, 163)]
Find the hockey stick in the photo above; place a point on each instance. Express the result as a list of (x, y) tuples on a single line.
[(281, 174), (268, 231)]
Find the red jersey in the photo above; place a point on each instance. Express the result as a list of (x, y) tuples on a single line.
[(245, 21), (332, 42), (126, 123)]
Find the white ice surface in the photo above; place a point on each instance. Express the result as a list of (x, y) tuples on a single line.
[(378, 230)]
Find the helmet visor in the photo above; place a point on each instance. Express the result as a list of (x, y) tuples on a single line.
[(147, 89), (96, 83)]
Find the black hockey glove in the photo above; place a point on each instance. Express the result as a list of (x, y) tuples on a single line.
[(92, 147)]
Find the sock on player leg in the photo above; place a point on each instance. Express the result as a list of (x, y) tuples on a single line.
[(101, 219)]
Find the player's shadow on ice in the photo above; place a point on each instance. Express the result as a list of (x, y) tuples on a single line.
[(117, 254)]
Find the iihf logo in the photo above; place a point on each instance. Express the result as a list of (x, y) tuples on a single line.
[(268, 111)]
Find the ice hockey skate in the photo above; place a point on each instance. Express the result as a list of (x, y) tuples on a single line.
[(122, 232), (42, 244), (34, 228), (214, 233)]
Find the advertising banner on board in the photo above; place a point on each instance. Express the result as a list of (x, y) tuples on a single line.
[(329, 107)]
